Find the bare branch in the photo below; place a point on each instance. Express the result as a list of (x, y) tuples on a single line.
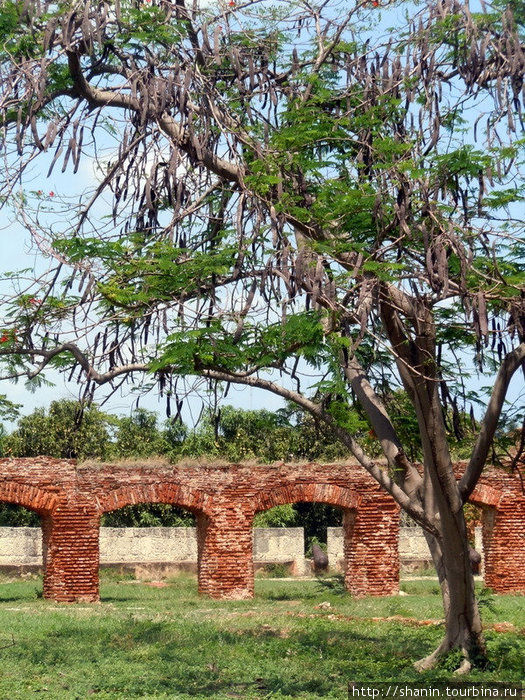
[(511, 363), (373, 468)]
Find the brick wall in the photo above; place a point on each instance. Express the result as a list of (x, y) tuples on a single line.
[(71, 498)]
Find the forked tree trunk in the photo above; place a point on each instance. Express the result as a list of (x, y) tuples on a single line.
[(443, 502)]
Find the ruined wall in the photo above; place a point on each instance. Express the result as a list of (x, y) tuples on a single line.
[(22, 547), (502, 500), (119, 545), (71, 498), (413, 548)]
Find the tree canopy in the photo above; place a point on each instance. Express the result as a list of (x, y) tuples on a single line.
[(315, 199)]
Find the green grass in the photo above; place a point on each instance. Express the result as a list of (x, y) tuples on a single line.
[(150, 642)]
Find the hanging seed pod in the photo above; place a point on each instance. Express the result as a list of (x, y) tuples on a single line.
[(482, 316), (216, 44), (58, 152)]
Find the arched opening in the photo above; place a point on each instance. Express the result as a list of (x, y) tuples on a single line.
[(148, 541), (21, 549), (309, 501), (318, 519), (415, 557), (370, 532), (292, 539), (164, 544), (474, 521)]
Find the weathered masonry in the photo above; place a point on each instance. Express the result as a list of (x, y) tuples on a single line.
[(71, 498)]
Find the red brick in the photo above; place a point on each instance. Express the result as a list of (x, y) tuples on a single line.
[(225, 498)]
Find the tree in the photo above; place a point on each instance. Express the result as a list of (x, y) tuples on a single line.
[(67, 429), (138, 435), (238, 434), (148, 515), (297, 191)]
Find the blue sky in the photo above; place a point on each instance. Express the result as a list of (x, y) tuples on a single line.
[(19, 252)]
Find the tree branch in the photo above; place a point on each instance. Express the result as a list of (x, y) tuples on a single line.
[(373, 468), (405, 474), (80, 357), (221, 167), (96, 96), (169, 126), (511, 362)]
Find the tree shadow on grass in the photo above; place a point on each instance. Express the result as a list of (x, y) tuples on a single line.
[(283, 595), (284, 592), (27, 595)]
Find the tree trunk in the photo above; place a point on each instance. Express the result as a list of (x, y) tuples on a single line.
[(443, 504), (462, 618)]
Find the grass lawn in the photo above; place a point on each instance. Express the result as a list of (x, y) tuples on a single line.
[(148, 642)]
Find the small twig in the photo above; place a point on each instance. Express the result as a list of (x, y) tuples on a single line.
[(12, 644)]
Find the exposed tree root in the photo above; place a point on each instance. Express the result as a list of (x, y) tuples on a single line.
[(465, 667), (432, 659)]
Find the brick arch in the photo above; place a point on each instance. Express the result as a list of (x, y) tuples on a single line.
[(331, 494), (225, 497), (193, 500), (38, 500)]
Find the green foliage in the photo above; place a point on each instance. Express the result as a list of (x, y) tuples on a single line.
[(148, 515), (346, 416), (314, 539), (8, 409), (274, 571), (59, 77), (238, 434), (144, 24), (463, 162), (3, 436), (173, 437), (16, 516), (158, 272), (115, 574), (257, 434), (9, 18), (332, 584), (138, 435), (214, 346), (315, 518), (487, 600), (65, 430), (15, 38), (278, 516)]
